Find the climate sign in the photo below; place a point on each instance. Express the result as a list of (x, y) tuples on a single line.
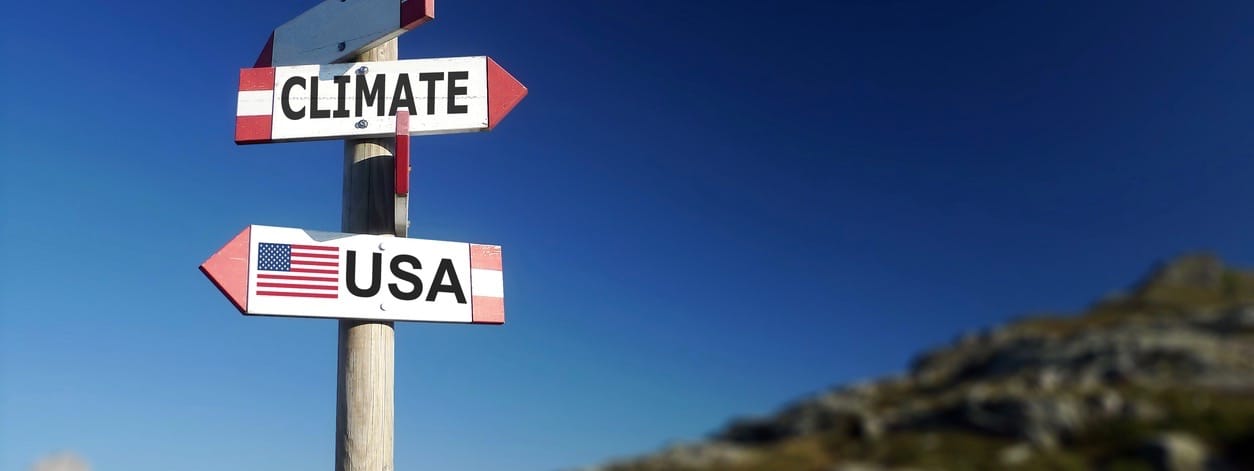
[(356, 100)]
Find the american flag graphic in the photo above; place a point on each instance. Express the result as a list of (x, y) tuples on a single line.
[(302, 271)]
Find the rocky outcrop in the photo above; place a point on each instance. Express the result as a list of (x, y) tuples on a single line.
[(1041, 388), (1176, 452)]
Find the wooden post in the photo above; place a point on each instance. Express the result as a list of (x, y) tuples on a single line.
[(364, 392)]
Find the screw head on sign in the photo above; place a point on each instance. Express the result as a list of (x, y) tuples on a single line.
[(382, 246), (383, 307), (340, 46), (361, 124), (362, 70)]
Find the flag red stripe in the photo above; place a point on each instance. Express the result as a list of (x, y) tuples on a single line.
[(295, 277), (253, 129), (297, 295), (485, 257), (487, 310), (320, 264), (314, 247), (316, 255), (313, 270), (296, 286)]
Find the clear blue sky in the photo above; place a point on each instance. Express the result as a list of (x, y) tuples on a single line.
[(707, 208)]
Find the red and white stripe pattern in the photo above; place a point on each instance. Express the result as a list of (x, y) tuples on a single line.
[(487, 287), (254, 109), (298, 271)]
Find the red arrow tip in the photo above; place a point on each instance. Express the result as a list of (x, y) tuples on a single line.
[(228, 270), (266, 57), (415, 13), (504, 91)]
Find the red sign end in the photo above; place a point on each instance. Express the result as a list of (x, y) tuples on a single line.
[(266, 58), (504, 92), (487, 307), (228, 270), (416, 12), (402, 153)]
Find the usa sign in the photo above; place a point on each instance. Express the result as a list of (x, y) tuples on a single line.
[(362, 99), (281, 271)]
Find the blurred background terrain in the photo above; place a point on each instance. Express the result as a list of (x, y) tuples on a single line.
[(1158, 378), (708, 210)]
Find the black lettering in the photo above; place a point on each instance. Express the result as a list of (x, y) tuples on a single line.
[(454, 91), (431, 78), (375, 270), (286, 98), (342, 82), (407, 276), (403, 94), (368, 97), (314, 112), (454, 285)]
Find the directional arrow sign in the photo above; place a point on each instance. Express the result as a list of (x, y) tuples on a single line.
[(335, 30), (280, 271), (355, 100)]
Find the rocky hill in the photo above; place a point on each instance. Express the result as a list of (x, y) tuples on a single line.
[(1161, 377)]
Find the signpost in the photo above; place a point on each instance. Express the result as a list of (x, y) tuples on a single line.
[(335, 30), (332, 73), (281, 271), (366, 350), (361, 99)]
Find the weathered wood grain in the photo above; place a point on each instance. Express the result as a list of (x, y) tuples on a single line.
[(366, 372)]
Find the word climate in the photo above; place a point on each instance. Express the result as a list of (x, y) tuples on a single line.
[(303, 96)]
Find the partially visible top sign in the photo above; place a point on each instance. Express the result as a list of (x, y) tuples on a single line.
[(280, 271), (358, 100), (336, 30)]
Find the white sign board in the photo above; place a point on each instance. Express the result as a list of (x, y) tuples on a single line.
[(356, 100), (279, 271), (335, 30)]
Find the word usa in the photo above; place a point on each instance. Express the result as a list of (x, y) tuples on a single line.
[(407, 284)]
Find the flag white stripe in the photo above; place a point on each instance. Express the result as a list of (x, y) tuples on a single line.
[(290, 289), (489, 283), (254, 103)]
